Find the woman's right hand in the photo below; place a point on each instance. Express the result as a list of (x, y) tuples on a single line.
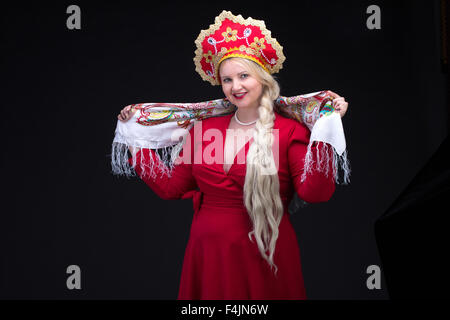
[(126, 114)]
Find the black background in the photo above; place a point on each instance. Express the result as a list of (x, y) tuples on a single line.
[(62, 90)]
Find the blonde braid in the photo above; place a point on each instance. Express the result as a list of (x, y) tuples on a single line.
[(262, 187)]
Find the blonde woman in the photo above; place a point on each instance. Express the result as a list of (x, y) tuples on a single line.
[(242, 244)]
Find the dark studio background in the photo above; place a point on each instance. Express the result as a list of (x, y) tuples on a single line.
[(62, 90)]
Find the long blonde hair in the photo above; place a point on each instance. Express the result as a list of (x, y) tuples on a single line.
[(262, 187)]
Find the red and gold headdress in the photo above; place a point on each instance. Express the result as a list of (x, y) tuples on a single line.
[(233, 36)]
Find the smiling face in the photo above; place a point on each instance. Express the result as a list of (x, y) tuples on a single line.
[(240, 87)]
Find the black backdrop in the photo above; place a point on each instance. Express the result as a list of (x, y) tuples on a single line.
[(62, 90)]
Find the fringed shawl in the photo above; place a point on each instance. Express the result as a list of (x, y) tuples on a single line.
[(161, 125)]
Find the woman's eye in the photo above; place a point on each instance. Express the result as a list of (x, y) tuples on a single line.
[(244, 75), (226, 80)]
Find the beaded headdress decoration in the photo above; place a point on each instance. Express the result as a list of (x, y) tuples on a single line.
[(233, 36)]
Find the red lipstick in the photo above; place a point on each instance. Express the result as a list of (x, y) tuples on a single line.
[(240, 96)]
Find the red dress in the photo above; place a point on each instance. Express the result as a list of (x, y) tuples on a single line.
[(220, 261)]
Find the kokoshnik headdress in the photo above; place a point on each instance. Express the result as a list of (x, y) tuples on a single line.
[(233, 36), (160, 125)]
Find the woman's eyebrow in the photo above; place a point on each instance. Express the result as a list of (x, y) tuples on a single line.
[(227, 76)]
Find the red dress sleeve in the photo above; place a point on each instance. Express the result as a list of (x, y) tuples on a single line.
[(181, 179), (318, 186)]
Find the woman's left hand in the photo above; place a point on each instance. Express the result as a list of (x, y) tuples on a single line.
[(339, 103)]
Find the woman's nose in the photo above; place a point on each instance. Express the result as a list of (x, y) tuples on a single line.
[(236, 86)]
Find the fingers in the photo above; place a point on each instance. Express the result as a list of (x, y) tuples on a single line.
[(334, 94), (337, 99), (341, 108), (125, 114), (338, 102)]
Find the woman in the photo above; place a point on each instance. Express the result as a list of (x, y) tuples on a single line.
[(242, 244)]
